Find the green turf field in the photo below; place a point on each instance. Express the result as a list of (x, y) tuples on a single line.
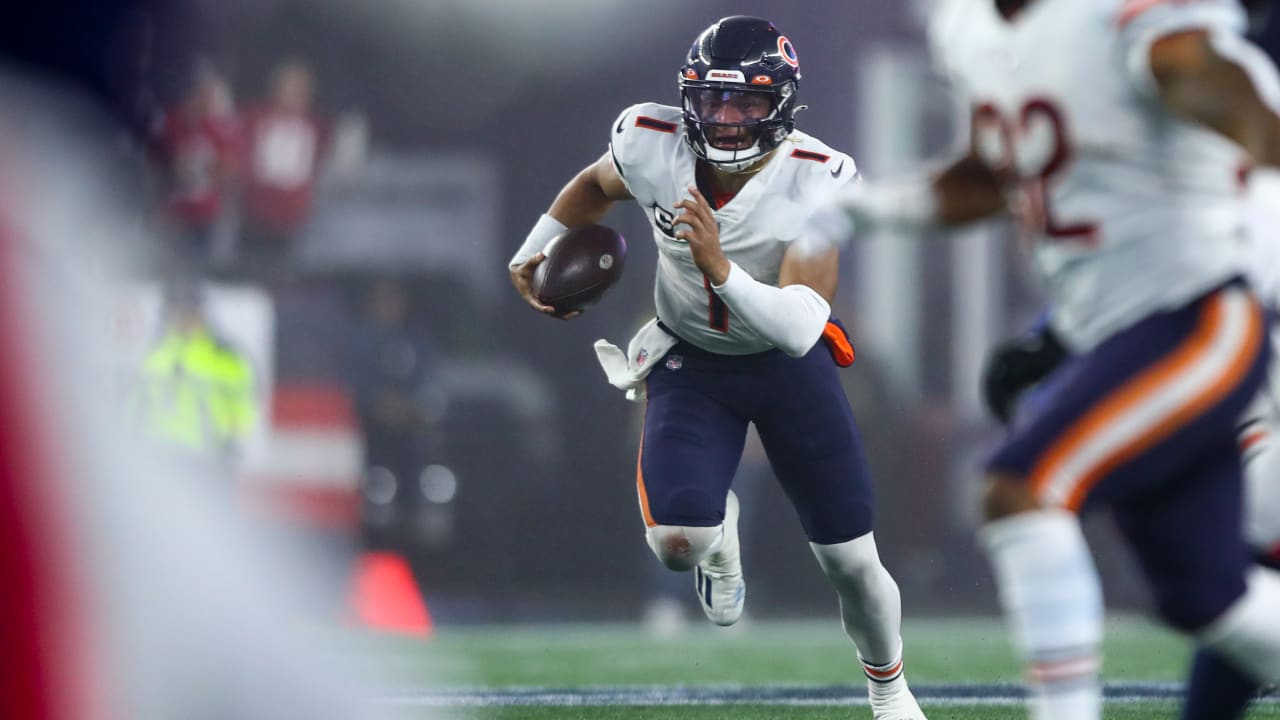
[(791, 670)]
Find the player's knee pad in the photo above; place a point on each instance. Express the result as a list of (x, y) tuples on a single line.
[(681, 548), (1247, 634)]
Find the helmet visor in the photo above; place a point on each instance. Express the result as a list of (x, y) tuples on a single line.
[(724, 106), (729, 117)]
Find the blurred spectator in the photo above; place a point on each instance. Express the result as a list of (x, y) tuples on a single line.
[(195, 393), (195, 146), (286, 141), (392, 366)]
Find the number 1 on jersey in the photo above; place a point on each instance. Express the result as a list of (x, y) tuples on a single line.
[(718, 312)]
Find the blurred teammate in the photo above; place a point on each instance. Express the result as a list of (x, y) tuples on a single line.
[(743, 333), (1116, 120)]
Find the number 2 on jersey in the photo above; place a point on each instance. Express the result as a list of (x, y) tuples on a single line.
[(717, 312), (1037, 114)]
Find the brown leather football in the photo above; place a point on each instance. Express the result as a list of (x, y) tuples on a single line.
[(582, 263)]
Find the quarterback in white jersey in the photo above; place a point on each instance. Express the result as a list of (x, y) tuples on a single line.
[(757, 226), (743, 334), (1113, 128)]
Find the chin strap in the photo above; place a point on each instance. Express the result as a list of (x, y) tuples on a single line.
[(734, 165)]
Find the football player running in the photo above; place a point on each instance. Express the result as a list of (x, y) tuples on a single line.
[(1113, 129), (743, 332)]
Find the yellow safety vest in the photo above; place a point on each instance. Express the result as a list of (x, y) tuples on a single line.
[(196, 393)]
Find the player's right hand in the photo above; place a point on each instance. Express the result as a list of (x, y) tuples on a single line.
[(522, 278)]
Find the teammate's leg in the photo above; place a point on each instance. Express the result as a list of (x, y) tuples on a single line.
[(1217, 689), (1189, 547), (813, 445), (1051, 596), (1127, 424)]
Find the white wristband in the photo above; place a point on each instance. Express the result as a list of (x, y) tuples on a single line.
[(792, 318), (542, 233), (903, 204)]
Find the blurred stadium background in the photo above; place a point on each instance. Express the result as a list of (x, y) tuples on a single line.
[(338, 189)]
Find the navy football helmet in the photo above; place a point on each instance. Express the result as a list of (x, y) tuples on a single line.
[(738, 91)]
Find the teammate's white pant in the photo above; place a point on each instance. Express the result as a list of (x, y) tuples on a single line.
[(1260, 448)]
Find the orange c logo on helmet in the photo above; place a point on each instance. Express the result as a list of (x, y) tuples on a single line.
[(691, 73), (788, 51)]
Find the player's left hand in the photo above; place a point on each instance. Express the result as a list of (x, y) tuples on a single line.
[(703, 236), (1016, 365)]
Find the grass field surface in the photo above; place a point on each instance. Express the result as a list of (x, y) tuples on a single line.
[(961, 668)]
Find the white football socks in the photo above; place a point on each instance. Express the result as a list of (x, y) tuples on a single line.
[(870, 605), (1248, 633), (1052, 598)]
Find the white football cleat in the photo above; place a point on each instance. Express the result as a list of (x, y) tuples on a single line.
[(718, 579), (893, 700)]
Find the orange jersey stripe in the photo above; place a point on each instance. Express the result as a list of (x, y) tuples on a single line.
[(1127, 396), (1147, 385), (644, 494)]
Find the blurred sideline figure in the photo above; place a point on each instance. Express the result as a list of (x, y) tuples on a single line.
[(129, 591), (744, 333), (195, 144), (391, 366), (1120, 122), (285, 143), (195, 392)]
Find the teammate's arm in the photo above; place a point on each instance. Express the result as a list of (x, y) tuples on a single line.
[(1208, 80), (587, 198), (961, 191), (967, 190)]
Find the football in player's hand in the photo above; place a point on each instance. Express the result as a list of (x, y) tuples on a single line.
[(581, 264)]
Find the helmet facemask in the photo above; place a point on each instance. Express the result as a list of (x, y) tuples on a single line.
[(732, 126)]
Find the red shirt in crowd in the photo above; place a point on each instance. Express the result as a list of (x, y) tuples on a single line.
[(197, 152), (284, 151)]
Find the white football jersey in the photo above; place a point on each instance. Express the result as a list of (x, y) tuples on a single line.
[(756, 226), (1132, 209)]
